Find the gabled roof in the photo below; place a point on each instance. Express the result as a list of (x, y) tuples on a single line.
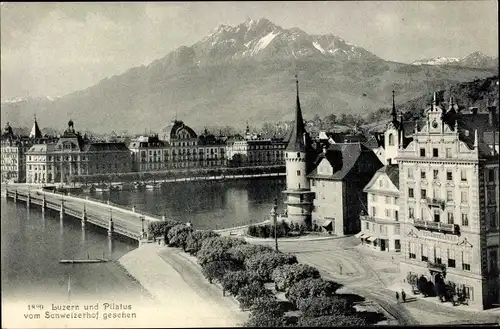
[(105, 147), (392, 171), (342, 157)]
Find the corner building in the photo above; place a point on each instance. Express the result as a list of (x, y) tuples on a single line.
[(448, 178)]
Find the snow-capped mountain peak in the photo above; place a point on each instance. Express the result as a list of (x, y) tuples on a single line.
[(263, 40), (476, 59), (437, 61)]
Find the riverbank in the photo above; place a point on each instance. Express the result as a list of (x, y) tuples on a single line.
[(180, 290)]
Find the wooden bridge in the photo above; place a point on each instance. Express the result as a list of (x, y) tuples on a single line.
[(115, 219)]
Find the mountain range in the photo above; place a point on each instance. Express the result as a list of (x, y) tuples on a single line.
[(239, 74), (476, 60)]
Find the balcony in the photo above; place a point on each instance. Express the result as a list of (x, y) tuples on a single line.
[(433, 266), (437, 226), (433, 202)]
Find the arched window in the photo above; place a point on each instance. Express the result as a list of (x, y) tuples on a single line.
[(391, 140)]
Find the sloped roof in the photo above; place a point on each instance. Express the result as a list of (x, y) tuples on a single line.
[(296, 142), (348, 153), (35, 131), (172, 129), (392, 171), (105, 147)]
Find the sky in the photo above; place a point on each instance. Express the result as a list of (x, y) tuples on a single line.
[(52, 49)]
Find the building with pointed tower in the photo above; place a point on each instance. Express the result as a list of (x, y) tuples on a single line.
[(13, 152), (298, 161), (448, 205)]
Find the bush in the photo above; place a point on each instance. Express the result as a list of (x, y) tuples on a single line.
[(412, 279), (286, 275), (196, 238), (323, 305), (266, 312), (243, 251), (267, 230), (264, 264), (216, 248), (234, 281), (161, 228), (311, 288), (178, 235), (217, 269), (249, 293), (252, 230), (333, 321)]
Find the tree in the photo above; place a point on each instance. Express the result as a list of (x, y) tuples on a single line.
[(333, 321), (325, 305), (216, 248), (234, 281), (196, 238), (178, 235), (311, 288), (249, 293), (160, 228), (264, 264), (266, 312), (215, 270), (286, 275), (243, 251)]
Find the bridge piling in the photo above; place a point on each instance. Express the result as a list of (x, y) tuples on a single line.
[(110, 227), (61, 211), (28, 200), (84, 216), (15, 195), (44, 203)]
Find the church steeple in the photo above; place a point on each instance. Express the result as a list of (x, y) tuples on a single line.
[(35, 130), (296, 143), (394, 114)]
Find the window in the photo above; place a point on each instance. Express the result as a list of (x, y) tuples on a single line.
[(298, 172), (464, 196), (448, 152), (436, 193), (465, 219), (411, 250), (435, 174), (313, 182), (437, 256), (381, 183), (424, 252), (374, 211), (372, 197), (422, 152), (411, 212), (450, 218), (449, 175), (493, 220), (491, 175), (397, 229), (423, 193), (465, 261), (491, 195), (451, 258), (449, 195), (422, 174), (410, 173), (435, 153), (463, 175), (410, 193), (396, 215), (388, 200), (367, 225), (493, 258), (388, 213), (437, 216), (391, 140)]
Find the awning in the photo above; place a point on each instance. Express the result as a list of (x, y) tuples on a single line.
[(326, 223), (371, 239), (359, 235)]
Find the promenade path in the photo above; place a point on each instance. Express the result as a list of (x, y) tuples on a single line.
[(376, 276), (180, 290)]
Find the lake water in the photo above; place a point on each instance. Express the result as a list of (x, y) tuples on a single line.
[(33, 243)]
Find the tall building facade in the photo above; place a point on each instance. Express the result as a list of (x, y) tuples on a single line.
[(74, 155), (179, 148), (448, 178), (256, 152)]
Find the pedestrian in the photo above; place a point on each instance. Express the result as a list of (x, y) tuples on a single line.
[(403, 295), (397, 297)]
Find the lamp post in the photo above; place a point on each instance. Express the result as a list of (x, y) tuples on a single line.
[(274, 215), (142, 227)]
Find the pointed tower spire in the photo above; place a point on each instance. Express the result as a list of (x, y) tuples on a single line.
[(296, 143), (35, 130), (433, 100), (394, 113)]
